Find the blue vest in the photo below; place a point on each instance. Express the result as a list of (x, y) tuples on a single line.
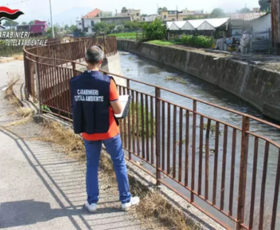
[(90, 102)]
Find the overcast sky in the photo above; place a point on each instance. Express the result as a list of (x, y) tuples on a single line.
[(39, 9)]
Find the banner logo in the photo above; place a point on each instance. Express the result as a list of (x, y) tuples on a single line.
[(7, 13)]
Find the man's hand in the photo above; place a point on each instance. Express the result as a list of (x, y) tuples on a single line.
[(117, 107)]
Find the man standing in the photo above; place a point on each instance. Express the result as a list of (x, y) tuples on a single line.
[(94, 102)]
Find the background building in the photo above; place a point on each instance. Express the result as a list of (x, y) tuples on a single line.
[(36, 28), (86, 23), (175, 15), (135, 15)]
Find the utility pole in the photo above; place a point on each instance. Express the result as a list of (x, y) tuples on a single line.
[(275, 25), (53, 35)]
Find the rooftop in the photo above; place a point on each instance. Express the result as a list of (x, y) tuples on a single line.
[(92, 14), (247, 16)]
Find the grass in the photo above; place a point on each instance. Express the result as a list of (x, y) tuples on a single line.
[(162, 43), (154, 206), (72, 144), (9, 93), (176, 78), (25, 113), (128, 35), (12, 57), (212, 128), (18, 56), (8, 51), (137, 113)]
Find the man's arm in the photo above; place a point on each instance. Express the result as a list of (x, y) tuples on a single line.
[(116, 105), (114, 98)]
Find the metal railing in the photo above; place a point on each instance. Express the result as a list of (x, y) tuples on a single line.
[(61, 54), (227, 170)]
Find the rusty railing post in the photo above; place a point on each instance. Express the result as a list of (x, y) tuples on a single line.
[(38, 83), (129, 136), (27, 76), (74, 68), (157, 135), (243, 171), (193, 149)]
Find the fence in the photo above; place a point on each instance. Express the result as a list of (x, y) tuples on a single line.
[(58, 54), (261, 42), (228, 171)]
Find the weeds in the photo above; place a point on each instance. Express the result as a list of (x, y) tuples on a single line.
[(25, 113), (136, 114), (10, 95), (72, 144), (176, 79), (153, 205), (107, 165)]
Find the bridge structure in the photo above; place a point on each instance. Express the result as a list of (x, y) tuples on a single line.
[(229, 171)]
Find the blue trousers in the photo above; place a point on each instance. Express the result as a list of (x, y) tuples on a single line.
[(114, 148)]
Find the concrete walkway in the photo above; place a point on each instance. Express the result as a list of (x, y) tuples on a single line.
[(42, 188)]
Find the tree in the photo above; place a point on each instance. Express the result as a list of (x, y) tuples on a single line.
[(217, 13), (264, 5), (124, 10), (10, 23), (73, 28), (244, 10), (155, 30), (161, 9), (103, 28), (132, 25), (57, 31)]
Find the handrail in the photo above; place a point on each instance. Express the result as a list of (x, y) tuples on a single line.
[(171, 91), (157, 124)]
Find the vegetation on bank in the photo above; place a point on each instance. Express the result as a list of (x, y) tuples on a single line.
[(136, 112), (127, 35), (7, 51), (188, 40), (199, 41), (156, 33), (162, 42)]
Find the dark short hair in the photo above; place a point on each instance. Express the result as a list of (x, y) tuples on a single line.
[(94, 55)]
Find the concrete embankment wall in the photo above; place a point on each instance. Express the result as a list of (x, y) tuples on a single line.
[(259, 87)]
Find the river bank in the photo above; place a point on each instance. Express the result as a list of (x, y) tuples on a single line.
[(256, 85)]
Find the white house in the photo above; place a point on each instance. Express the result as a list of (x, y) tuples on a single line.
[(261, 27)]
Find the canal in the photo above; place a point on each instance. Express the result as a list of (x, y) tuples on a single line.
[(145, 70)]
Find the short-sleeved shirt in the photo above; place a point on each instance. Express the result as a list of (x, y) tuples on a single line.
[(113, 127)]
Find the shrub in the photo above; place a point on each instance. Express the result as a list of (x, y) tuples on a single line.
[(155, 30), (136, 114), (196, 41), (103, 28), (129, 35), (6, 51), (133, 26)]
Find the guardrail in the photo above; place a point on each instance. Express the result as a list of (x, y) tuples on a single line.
[(227, 170), (60, 54)]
